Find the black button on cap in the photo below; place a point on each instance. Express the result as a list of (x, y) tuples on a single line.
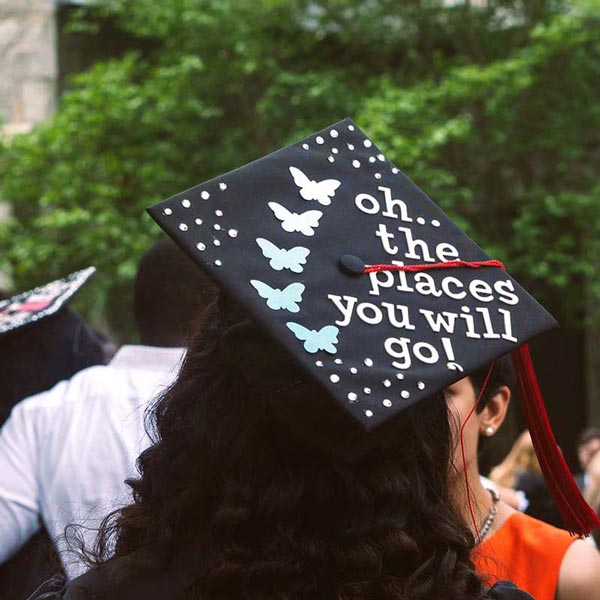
[(352, 264)]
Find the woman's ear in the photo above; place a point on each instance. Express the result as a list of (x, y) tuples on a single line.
[(494, 413)]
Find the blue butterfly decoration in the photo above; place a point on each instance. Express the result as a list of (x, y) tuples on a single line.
[(304, 223), (287, 299), (291, 259), (325, 338)]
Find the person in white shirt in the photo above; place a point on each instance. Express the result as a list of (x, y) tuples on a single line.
[(65, 453)]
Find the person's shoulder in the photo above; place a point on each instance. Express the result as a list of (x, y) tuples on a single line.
[(536, 530), (579, 577), (85, 384), (526, 536)]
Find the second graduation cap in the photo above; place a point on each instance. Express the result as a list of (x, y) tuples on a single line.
[(44, 301), (340, 257)]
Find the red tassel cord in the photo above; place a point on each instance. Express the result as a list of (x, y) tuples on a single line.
[(578, 516), (452, 264), (463, 453)]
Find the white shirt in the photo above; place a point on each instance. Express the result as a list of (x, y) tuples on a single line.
[(65, 453)]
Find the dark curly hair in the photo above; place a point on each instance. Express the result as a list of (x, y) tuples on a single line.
[(275, 516)]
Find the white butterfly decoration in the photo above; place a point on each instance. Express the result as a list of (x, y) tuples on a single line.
[(277, 299), (305, 222), (325, 338), (291, 259), (321, 191)]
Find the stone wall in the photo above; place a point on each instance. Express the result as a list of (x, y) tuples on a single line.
[(28, 63)]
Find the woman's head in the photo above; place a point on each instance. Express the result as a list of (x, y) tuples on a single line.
[(276, 508)]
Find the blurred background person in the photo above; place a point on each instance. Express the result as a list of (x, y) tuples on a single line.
[(65, 453), (592, 487), (520, 471), (588, 452), (588, 445), (42, 341)]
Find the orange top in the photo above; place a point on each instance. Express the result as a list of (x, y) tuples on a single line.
[(525, 551)]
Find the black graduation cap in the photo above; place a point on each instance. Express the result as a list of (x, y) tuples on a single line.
[(41, 302), (342, 259)]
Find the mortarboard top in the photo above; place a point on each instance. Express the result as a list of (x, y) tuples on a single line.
[(41, 302), (288, 236)]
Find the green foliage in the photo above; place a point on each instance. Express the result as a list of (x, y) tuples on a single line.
[(491, 110), (512, 148)]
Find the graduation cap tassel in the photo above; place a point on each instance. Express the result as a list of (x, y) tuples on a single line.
[(578, 516)]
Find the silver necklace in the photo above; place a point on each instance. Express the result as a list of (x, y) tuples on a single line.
[(485, 528)]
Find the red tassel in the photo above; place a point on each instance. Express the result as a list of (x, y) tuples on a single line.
[(578, 516)]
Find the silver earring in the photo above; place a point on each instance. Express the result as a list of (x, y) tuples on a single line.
[(489, 430)]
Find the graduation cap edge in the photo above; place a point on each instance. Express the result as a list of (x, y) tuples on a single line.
[(58, 294)]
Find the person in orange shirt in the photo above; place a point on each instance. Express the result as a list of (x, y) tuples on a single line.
[(547, 562)]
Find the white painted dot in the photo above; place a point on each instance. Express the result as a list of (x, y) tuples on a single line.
[(338, 361), (400, 376), (405, 394), (217, 242), (319, 363), (205, 195), (334, 378), (395, 171), (381, 157), (369, 413), (350, 127), (368, 362), (305, 146), (183, 227), (232, 233), (217, 227), (219, 213), (186, 203), (319, 139), (334, 150), (372, 159), (387, 383), (387, 403), (352, 397), (356, 164), (367, 390), (435, 223), (350, 147), (420, 220), (353, 370), (377, 175), (367, 143), (201, 246), (198, 221), (333, 133), (330, 159), (218, 263), (222, 186), (168, 211), (420, 385)]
